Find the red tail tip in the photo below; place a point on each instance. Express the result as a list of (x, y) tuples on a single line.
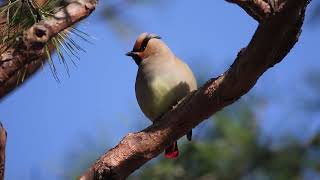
[(172, 151), (172, 155)]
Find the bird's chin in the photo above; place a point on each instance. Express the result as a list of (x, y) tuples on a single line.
[(137, 61)]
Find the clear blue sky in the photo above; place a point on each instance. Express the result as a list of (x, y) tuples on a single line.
[(45, 119)]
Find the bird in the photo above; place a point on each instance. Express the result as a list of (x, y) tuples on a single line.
[(162, 80)]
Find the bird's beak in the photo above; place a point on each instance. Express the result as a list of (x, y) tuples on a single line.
[(130, 53)]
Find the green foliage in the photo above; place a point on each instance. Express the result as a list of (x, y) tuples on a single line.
[(22, 14)]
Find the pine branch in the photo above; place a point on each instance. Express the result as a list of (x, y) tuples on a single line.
[(31, 48), (272, 41)]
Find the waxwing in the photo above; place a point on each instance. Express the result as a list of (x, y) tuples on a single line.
[(162, 80)]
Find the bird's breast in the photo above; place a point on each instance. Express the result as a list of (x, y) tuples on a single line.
[(158, 89)]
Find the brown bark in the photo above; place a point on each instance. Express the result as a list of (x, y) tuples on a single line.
[(258, 9), (274, 38), (29, 54), (3, 141), (29, 68)]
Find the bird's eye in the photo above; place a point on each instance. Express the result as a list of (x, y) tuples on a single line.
[(146, 40), (144, 43), (143, 47)]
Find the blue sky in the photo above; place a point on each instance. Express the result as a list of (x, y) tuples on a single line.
[(46, 119)]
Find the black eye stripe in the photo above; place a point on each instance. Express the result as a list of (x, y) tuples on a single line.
[(145, 43), (137, 59)]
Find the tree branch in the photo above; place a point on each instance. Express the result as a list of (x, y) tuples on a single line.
[(31, 45), (273, 39), (3, 141), (258, 9)]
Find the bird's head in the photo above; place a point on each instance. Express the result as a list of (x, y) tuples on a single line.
[(147, 45)]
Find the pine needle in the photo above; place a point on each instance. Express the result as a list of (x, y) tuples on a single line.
[(22, 14)]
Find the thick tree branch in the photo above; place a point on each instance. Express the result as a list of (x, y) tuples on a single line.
[(31, 45), (273, 39), (3, 141), (258, 9)]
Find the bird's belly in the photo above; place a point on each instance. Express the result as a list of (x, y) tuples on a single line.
[(159, 95)]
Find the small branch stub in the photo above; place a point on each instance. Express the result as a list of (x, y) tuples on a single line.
[(30, 48)]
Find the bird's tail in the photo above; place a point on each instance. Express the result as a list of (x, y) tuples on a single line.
[(189, 135), (172, 151)]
